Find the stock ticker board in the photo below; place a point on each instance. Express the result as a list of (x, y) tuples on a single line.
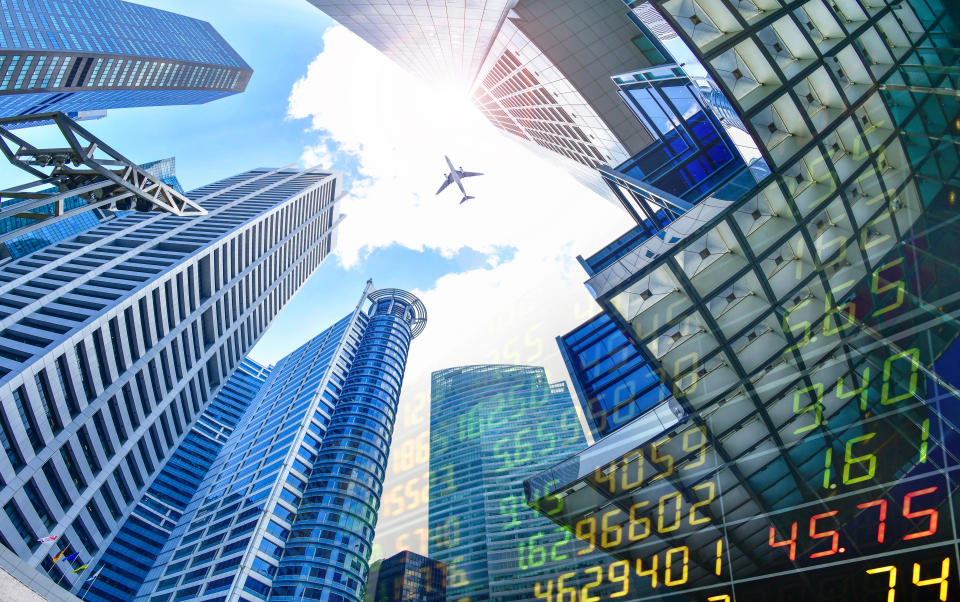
[(841, 485)]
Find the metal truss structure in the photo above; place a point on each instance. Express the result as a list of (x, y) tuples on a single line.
[(85, 168)]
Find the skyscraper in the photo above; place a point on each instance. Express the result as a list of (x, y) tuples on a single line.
[(87, 55), (492, 426), (407, 576), (115, 341), (124, 564), (288, 509), (440, 41), (804, 323)]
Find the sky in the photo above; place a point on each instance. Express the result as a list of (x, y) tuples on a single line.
[(498, 275)]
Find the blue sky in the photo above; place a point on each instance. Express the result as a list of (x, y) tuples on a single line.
[(498, 274)]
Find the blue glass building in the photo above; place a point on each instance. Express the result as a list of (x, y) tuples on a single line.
[(492, 426), (407, 576), (125, 563), (165, 169), (86, 55), (288, 509)]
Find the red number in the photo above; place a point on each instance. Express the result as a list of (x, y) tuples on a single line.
[(833, 535), (792, 542), (882, 528), (933, 514)]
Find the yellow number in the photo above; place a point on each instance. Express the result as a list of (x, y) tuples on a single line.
[(816, 407), (661, 506), (625, 482), (590, 537), (606, 475), (668, 579), (711, 487), (423, 448), (899, 285), (561, 590), (666, 459), (700, 447), (585, 592), (456, 576), (412, 496), (623, 579), (606, 530), (634, 521), (893, 579), (941, 580), (541, 595), (694, 363), (652, 571), (720, 598)]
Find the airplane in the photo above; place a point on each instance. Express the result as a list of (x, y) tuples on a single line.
[(456, 175)]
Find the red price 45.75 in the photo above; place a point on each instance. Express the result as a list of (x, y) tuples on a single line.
[(910, 501)]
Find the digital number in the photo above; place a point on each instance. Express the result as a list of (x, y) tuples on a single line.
[(914, 356), (693, 509), (661, 513), (668, 579), (632, 534), (700, 447), (931, 513), (816, 407), (882, 521), (792, 542), (623, 579), (891, 583), (941, 580), (849, 460), (563, 591), (543, 595), (588, 535), (606, 540), (665, 459), (651, 572), (833, 535), (585, 592), (625, 481), (554, 557)]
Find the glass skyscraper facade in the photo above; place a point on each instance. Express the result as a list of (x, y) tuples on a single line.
[(113, 343), (287, 510), (492, 426), (125, 563), (86, 55), (407, 576), (803, 321)]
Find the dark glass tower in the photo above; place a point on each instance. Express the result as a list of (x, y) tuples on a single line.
[(407, 576), (85, 55), (301, 476)]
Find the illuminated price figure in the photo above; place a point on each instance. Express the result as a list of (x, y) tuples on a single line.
[(941, 582), (790, 543), (673, 572), (670, 512), (632, 467)]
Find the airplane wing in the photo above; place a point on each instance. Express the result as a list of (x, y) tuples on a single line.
[(468, 174), (445, 184)]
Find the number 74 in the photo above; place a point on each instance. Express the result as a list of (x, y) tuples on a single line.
[(942, 580)]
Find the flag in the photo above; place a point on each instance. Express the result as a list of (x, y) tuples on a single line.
[(59, 556), (95, 575), (73, 556), (79, 569), (48, 539)]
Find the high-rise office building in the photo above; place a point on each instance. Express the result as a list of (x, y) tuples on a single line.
[(407, 576), (78, 56), (123, 566), (114, 342), (288, 509), (492, 426), (440, 41), (804, 323)]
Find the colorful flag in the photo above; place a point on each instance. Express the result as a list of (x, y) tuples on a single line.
[(79, 569), (48, 539), (59, 556), (73, 556)]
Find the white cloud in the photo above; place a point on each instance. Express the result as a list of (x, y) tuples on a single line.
[(399, 129)]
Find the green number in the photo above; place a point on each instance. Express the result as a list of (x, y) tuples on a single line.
[(849, 460), (511, 502), (554, 557), (816, 407), (914, 356), (536, 555)]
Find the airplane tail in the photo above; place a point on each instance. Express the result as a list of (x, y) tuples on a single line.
[(465, 199)]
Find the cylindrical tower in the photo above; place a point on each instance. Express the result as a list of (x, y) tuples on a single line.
[(331, 537)]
